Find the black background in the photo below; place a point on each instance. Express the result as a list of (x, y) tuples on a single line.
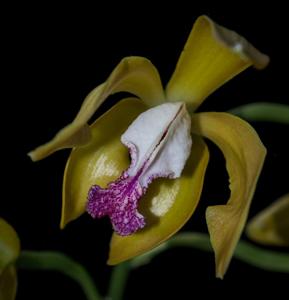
[(53, 56)]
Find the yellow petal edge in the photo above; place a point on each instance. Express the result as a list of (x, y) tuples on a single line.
[(184, 191), (212, 56), (136, 75), (271, 225), (9, 245), (244, 154)]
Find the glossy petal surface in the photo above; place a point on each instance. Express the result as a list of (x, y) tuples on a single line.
[(244, 154), (271, 225), (101, 161), (212, 56), (135, 75), (167, 206)]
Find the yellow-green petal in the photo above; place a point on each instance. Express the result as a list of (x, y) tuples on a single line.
[(136, 75), (212, 56), (271, 225), (9, 245), (101, 161), (244, 154), (8, 284), (183, 194)]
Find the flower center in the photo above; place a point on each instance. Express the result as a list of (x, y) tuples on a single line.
[(159, 143)]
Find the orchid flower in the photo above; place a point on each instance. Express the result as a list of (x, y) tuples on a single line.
[(271, 225), (9, 252), (151, 196)]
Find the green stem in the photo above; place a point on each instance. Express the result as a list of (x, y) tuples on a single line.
[(263, 111), (264, 259), (118, 281), (55, 261)]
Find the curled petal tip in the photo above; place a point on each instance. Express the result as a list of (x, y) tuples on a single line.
[(237, 44), (212, 56), (31, 155)]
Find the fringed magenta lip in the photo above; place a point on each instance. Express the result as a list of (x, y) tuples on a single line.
[(159, 143), (119, 202)]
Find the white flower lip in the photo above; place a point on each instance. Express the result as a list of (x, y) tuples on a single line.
[(159, 141)]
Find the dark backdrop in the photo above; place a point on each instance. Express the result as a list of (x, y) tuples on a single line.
[(53, 57)]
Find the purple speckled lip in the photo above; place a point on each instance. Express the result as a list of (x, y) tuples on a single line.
[(120, 199), (119, 202)]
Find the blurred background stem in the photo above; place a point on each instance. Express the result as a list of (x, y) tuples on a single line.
[(255, 256), (118, 280), (269, 260), (263, 111), (55, 261)]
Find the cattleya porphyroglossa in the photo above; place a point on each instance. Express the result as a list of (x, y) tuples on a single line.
[(163, 135)]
